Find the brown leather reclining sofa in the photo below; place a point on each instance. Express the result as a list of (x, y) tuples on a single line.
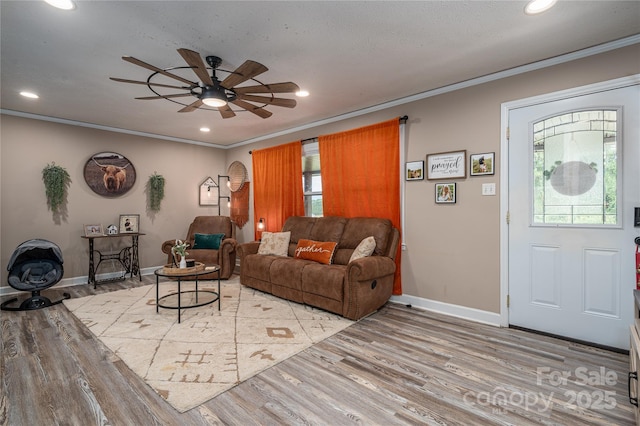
[(352, 289)]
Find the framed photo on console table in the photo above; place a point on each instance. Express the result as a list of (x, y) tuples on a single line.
[(447, 165), (129, 223), (93, 230)]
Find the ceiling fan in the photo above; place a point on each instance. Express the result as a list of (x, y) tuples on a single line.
[(211, 92)]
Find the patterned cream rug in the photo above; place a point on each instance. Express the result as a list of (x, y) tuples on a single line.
[(210, 351)]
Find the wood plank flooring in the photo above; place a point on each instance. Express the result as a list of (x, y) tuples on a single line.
[(399, 366)]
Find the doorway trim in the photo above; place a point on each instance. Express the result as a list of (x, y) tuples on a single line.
[(505, 108)]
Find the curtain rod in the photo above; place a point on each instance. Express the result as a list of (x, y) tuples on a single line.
[(403, 120)]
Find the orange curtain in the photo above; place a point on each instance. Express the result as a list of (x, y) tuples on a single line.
[(277, 185), (361, 176)]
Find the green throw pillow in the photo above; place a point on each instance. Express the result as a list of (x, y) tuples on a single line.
[(208, 241)]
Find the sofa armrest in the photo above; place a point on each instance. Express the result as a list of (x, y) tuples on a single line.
[(167, 245), (368, 285), (368, 268), (228, 245), (245, 249), (227, 257)]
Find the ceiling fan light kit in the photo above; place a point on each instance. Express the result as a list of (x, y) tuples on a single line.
[(213, 97), (213, 93)]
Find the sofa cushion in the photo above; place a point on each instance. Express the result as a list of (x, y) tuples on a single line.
[(328, 228), (364, 249), (299, 226), (258, 267), (324, 280), (288, 272), (317, 251), (207, 241), (276, 243), (359, 228)]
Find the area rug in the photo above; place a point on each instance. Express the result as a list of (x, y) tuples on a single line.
[(209, 351)]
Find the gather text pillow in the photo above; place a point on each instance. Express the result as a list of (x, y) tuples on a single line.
[(315, 250), (364, 249), (207, 241), (276, 243)]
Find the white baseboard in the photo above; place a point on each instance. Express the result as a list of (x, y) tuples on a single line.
[(82, 280), (472, 314)]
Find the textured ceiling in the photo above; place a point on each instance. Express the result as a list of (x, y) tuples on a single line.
[(349, 55)]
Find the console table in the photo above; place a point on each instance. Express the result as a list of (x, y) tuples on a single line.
[(127, 256)]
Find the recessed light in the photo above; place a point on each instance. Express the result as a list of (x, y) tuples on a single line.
[(538, 6), (205, 129), (302, 93), (29, 95), (62, 4)]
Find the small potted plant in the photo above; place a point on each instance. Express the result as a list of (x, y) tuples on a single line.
[(180, 248)]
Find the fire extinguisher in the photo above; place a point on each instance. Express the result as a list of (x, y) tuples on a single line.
[(637, 240)]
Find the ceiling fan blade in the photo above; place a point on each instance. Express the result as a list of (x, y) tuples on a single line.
[(176, 95), (243, 73), (197, 64), (268, 88), (226, 112), (194, 106), (142, 64), (281, 102), (123, 80), (260, 112)]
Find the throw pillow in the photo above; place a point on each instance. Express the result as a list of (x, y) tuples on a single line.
[(364, 249), (315, 250), (276, 243), (208, 241)]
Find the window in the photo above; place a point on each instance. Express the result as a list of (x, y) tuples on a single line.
[(311, 179), (575, 174)]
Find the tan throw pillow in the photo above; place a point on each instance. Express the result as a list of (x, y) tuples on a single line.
[(315, 250), (364, 249), (276, 243)]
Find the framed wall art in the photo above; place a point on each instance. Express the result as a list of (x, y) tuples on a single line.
[(93, 230), (446, 193), (482, 164), (129, 223), (109, 174), (447, 165), (414, 170), (209, 192)]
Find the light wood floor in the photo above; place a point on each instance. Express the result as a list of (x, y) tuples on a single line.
[(399, 366)]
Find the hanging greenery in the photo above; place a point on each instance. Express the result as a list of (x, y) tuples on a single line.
[(156, 191), (56, 182)]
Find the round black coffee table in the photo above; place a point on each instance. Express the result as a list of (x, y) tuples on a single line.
[(193, 298)]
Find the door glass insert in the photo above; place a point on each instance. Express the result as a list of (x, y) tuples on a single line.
[(575, 169)]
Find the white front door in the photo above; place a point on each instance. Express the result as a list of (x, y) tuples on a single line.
[(574, 181)]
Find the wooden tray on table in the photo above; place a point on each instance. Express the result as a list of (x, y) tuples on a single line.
[(172, 270)]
